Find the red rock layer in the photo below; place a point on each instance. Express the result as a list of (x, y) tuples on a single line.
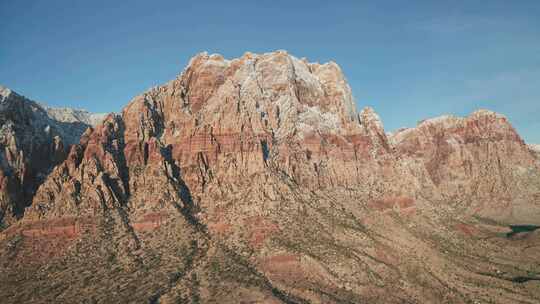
[(268, 153), (221, 121)]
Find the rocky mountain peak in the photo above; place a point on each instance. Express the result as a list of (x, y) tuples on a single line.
[(226, 119), (255, 178), (370, 119), (276, 79), (33, 139), (71, 115)]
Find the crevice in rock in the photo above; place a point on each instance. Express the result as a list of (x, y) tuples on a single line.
[(295, 81), (116, 193), (188, 208), (145, 153), (265, 151)]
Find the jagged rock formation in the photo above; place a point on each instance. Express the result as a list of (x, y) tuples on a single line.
[(75, 115), (480, 160), (33, 141), (256, 180), (228, 120)]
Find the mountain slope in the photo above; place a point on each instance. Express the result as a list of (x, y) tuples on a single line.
[(255, 179), (33, 141)]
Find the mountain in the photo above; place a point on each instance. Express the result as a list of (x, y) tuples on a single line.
[(255, 180), (33, 139)]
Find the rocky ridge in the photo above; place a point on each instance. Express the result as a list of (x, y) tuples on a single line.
[(75, 115), (34, 139), (256, 179), (480, 159)]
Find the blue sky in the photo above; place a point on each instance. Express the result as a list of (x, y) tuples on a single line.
[(409, 60)]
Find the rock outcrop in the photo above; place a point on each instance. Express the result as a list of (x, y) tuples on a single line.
[(479, 159), (70, 115), (256, 179), (222, 122), (33, 141)]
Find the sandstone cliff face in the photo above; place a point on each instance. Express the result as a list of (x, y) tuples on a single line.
[(256, 178), (479, 159), (32, 143), (223, 121)]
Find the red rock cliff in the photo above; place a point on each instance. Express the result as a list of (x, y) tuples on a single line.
[(222, 123)]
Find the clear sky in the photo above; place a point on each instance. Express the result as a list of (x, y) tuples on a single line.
[(409, 60)]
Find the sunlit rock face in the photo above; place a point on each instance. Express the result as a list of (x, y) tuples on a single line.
[(479, 159), (221, 122), (256, 179)]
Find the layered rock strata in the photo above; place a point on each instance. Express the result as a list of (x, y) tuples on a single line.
[(256, 179)]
